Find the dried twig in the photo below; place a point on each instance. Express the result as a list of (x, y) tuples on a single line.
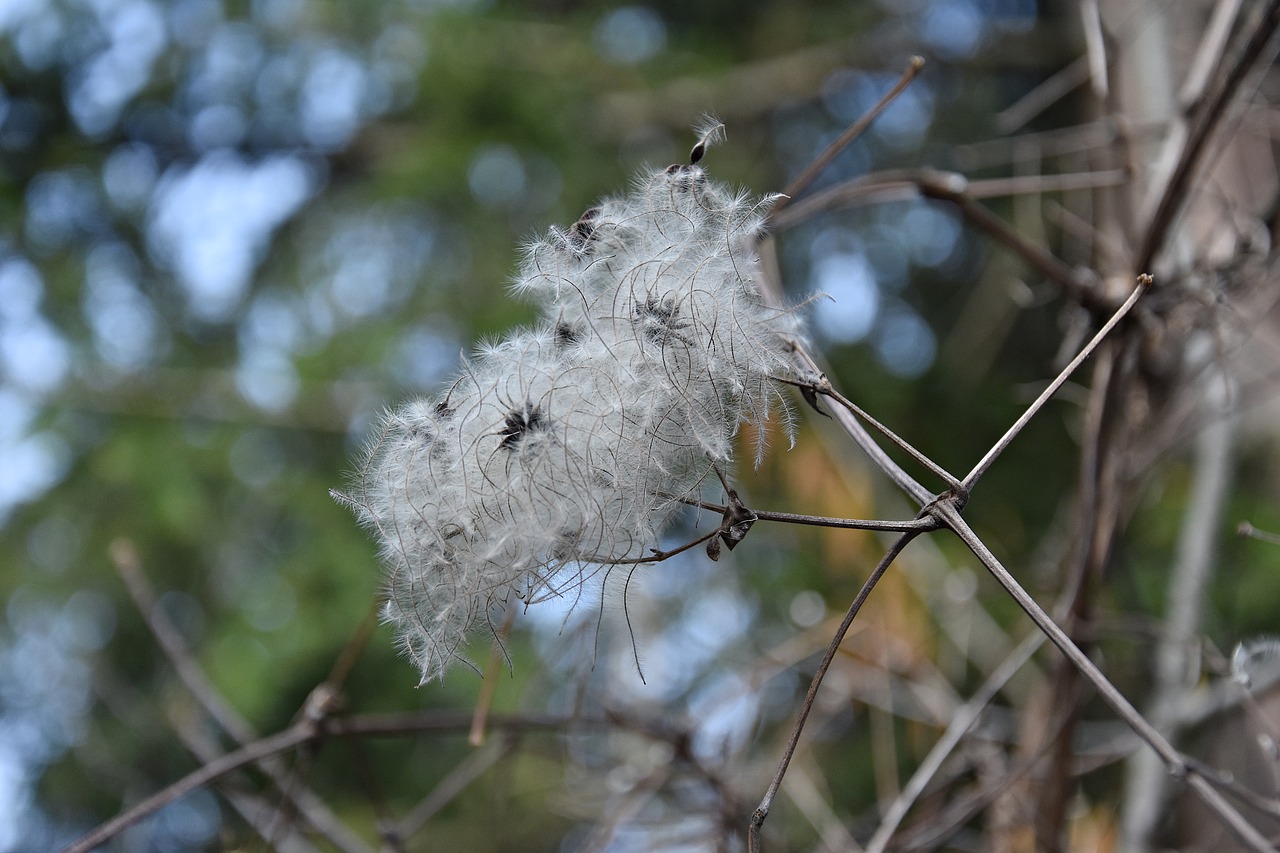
[(1189, 575), (1247, 530), (948, 515), (957, 190), (314, 810), (971, 479), (850, 134), (766, 803), (961, 721), (1173, 194), (447, 789), (309, 731)]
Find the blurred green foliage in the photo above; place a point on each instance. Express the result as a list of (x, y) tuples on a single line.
[(432, 139)]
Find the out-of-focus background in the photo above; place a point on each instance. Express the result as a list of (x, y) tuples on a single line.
[(233, 231)]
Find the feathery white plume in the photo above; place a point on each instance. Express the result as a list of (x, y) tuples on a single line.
[(569, 445)]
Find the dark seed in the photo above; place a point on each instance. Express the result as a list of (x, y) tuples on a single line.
[(582, 233), (520, 423), (567, 335)]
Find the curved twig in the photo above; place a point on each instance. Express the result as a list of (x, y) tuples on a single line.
[(307, 732), (766, 803), (920, 524)]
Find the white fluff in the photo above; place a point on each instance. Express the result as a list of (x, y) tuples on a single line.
[(568, 445)]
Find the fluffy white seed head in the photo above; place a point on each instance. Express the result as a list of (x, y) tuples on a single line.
[(570, 445)]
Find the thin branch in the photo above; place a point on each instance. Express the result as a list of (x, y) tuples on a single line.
[(1039, 99), (766, 803), (1174, 655), (851, 133), (1019, 185), (807, 365), (656, 555), (918, 523), (1227, 782), (489, 680), (1095, 48), (128, 565), (898, 184), (1085, 137), (314, 810), (307, 731), (354, 647), (931, 832), (956, 189), (458, 779), (640, 794), (946, 512), (824, 387), (971, 479), (1209, 53), (258, 811), (961, 721), (1173, 195), (1249, 531), (809, 800), (209, 772)]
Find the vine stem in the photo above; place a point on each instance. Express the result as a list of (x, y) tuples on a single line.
[(766, 803), (949, 516), (921, 524), (1173, 194), (1144, 282), (852, 132)]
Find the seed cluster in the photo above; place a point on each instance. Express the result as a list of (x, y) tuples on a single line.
[(568, 446)]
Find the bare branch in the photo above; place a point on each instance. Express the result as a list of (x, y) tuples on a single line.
[(766, 803), (851, 133), (314, 810), (469, 770), (307, 732), (1048, 93), (961, 722), (1173, 195), (971, 479), (807, 365), (918, 524), (1249, 531), (825, 388), (946, 513), (956, 189), (1095, 48), (1176, 651), (1210, 52)]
